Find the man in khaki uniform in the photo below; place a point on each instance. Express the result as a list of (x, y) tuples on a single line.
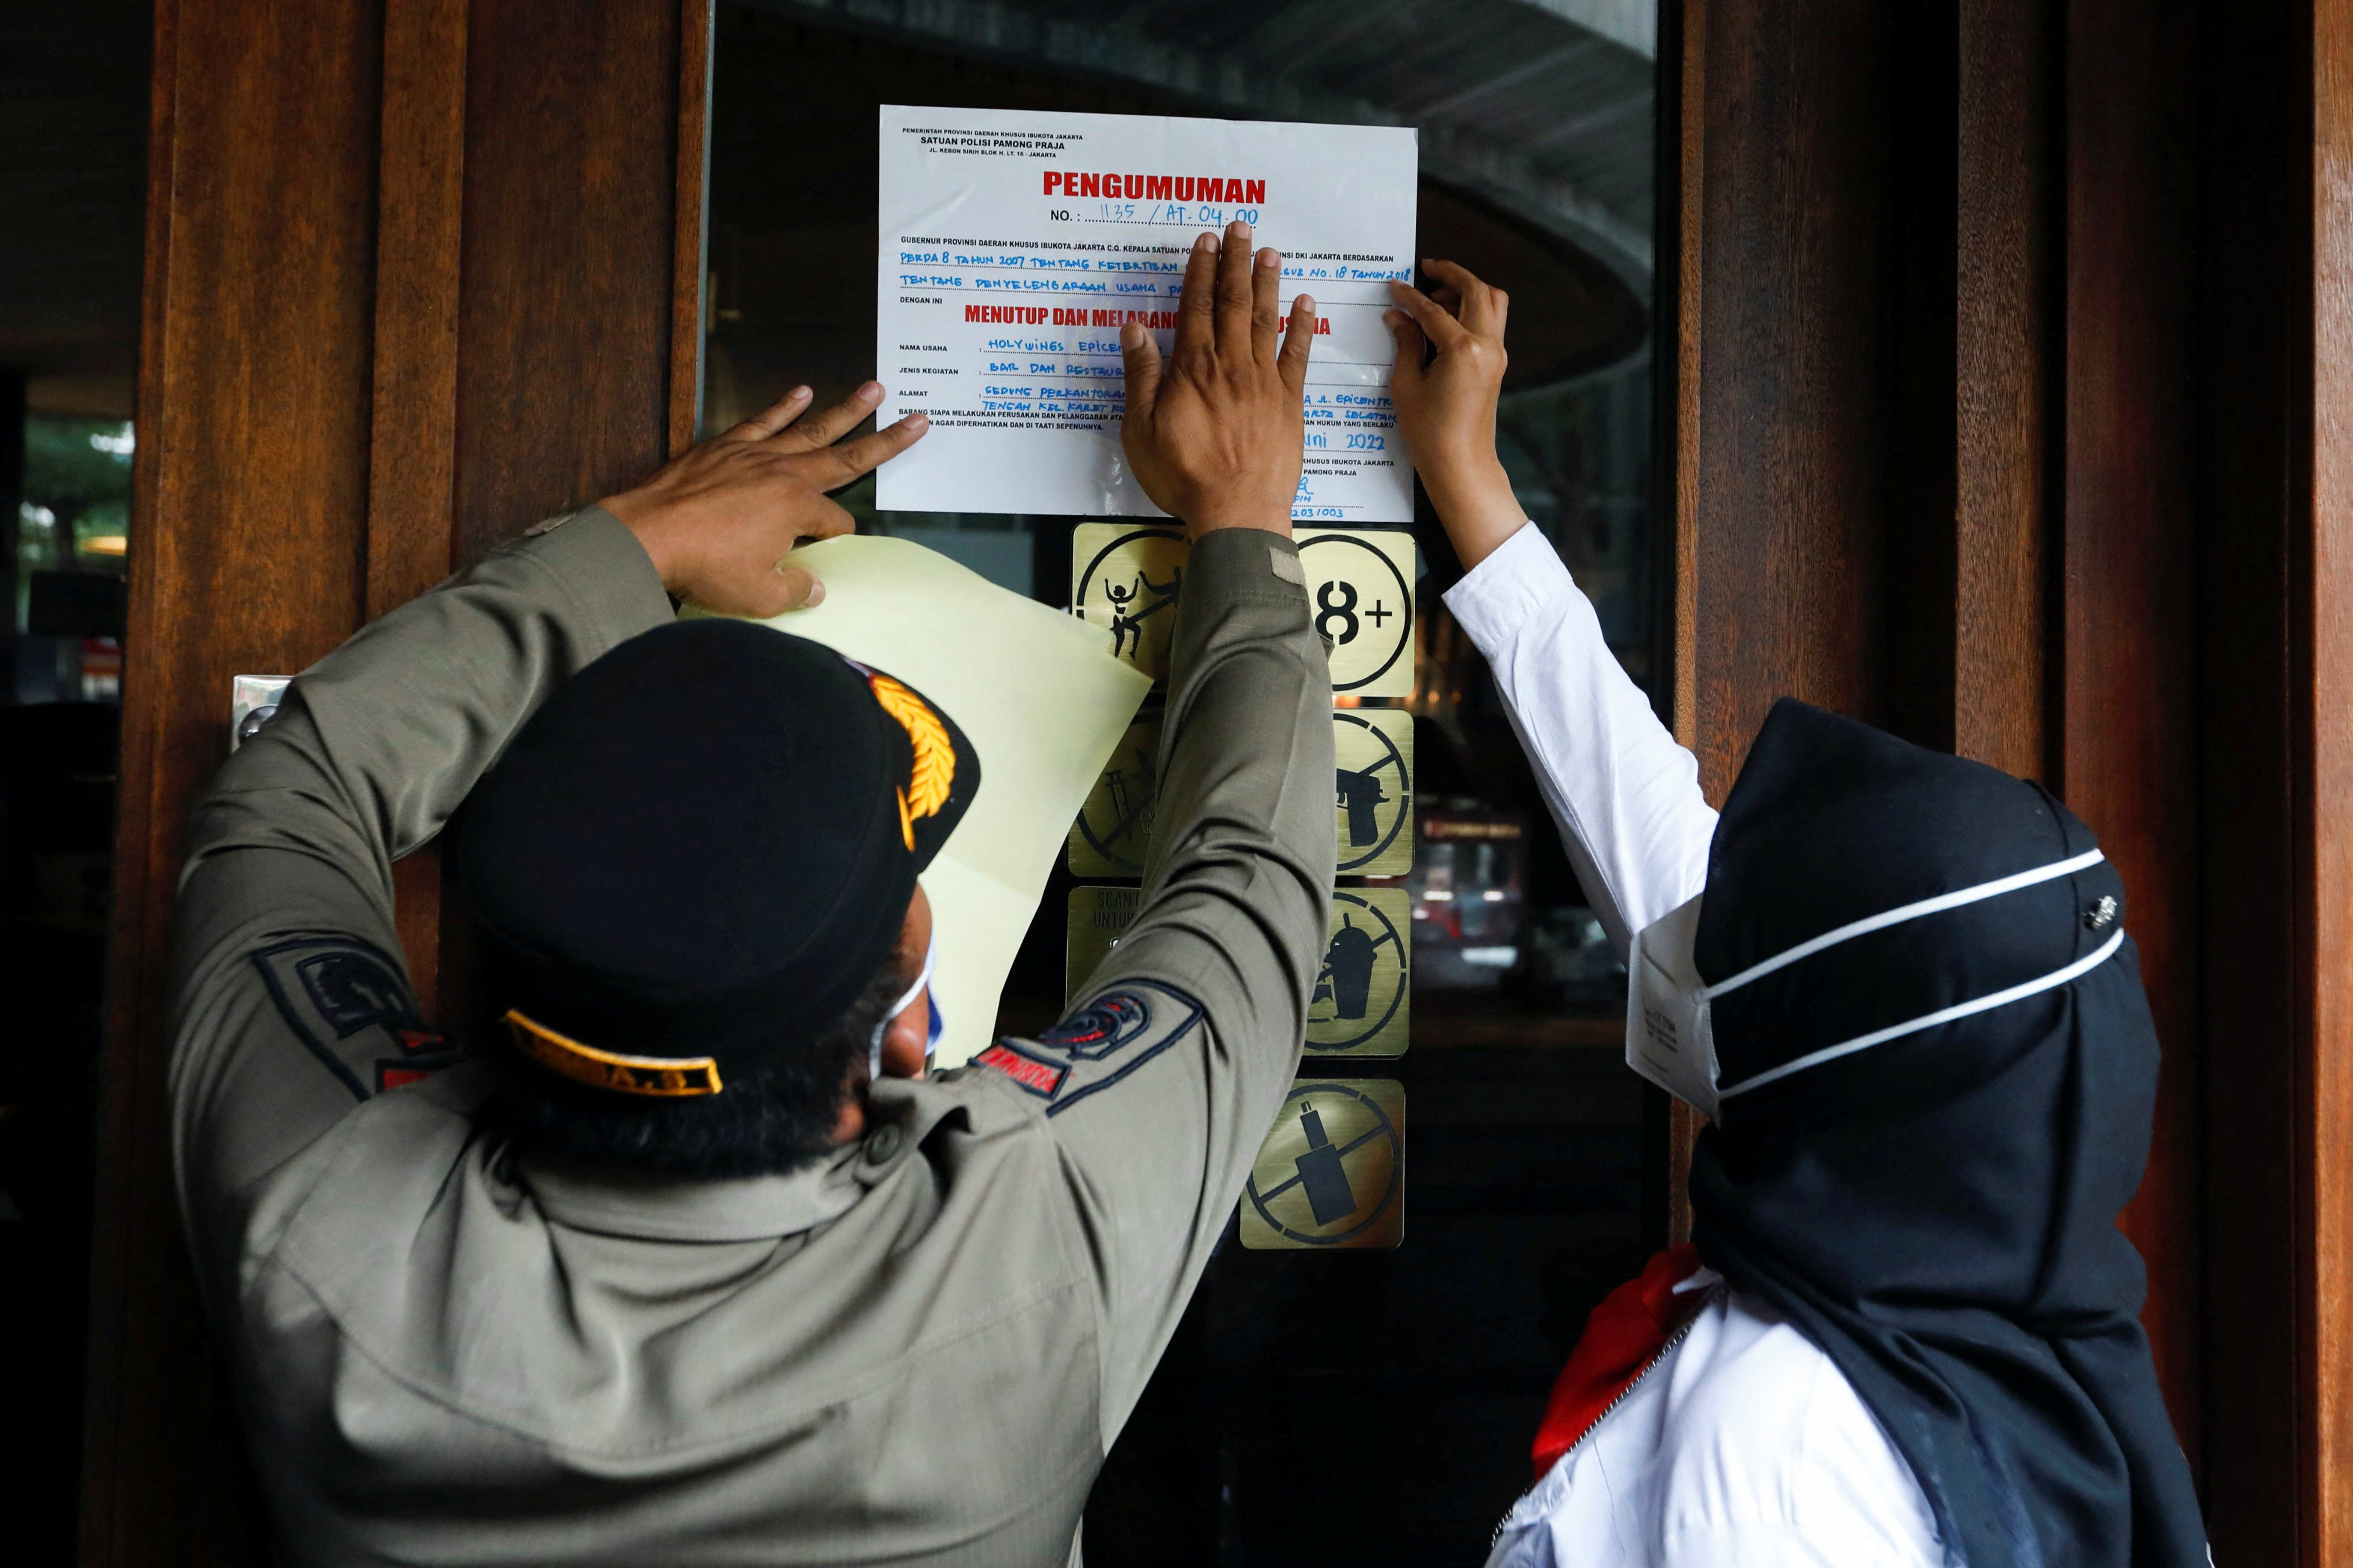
[(453, 1346)]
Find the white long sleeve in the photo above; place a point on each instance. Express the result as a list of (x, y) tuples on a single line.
[(1626, 797)]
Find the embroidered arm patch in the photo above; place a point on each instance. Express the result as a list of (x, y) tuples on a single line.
[(1098, 1045), (349, 1006)]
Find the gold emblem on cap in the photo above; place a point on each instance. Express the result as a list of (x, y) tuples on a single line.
[(662, 1077), (932, 778)]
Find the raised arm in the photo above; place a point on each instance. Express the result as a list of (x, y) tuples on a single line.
[(290, 998), (1626, 797), (1160, 1085)]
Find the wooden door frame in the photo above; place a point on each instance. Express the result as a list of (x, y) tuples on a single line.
[(249, 495), (2275, 652)]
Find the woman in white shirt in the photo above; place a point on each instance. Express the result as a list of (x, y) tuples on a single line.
[(1908, 1332)]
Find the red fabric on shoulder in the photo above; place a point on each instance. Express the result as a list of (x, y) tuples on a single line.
[(1623, 1335)]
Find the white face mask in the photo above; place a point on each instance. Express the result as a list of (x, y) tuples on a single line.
[(1670, 1036), (922, 983)]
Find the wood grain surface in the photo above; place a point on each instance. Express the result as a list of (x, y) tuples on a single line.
[(413, 449), (2321, 592), (250, 498), (2128, 726), (689, 214), (1685, 52), (564, 309), (2254, 413), (1936, 451), (2006, 238), (569, 254), (1790, 469), (357, 371)]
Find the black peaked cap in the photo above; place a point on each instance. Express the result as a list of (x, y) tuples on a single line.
[(704, 842)]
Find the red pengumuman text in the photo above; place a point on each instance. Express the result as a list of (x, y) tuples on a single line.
[(1157, 187)]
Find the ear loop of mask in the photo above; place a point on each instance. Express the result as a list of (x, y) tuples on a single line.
[(1911, 911), (1703, 997), (922, 983), (2050, 982)]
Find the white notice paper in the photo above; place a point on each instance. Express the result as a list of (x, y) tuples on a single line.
[(1015, 245)]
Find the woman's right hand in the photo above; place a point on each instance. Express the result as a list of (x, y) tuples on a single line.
[(1446, 407)]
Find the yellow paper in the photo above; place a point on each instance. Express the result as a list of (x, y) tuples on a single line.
[(1040, 698)]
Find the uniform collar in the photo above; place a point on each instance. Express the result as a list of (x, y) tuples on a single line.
[(748, 1208)]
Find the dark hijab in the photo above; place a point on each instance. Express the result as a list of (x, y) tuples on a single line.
[(1938, 1213)]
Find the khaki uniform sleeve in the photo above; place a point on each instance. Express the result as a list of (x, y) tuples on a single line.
[(1160, 1085), (290, 1000)]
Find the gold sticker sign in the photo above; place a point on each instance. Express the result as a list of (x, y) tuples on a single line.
[(1362, 1004), (1115, 827), (1099, 918), (1360, 592), (1332, 1171), (1125, 578), (1373, 790)]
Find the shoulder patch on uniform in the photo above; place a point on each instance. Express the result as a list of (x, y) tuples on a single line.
[(1115, 1019), (1115, 1033), (399, 1072), (1043, 1079), (333, 988)]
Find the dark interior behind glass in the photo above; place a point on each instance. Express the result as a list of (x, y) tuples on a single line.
[(1366, 1407)]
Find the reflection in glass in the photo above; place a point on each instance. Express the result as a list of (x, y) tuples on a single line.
[(1372, 1406)]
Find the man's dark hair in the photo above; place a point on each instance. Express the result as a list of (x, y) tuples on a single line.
[(764, 1121)]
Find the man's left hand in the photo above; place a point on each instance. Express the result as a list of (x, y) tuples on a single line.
[(719, 521)]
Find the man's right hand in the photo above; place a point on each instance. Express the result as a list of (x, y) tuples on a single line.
[(719, 521), (1214, 433)]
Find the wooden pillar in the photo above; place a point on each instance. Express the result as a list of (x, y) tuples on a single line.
[(2274, 652), (2128, 722), (2320, 624), (1935, 449), (2006, 233), (250, 490), (413, 448), (410, 265), (1790, 375)]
